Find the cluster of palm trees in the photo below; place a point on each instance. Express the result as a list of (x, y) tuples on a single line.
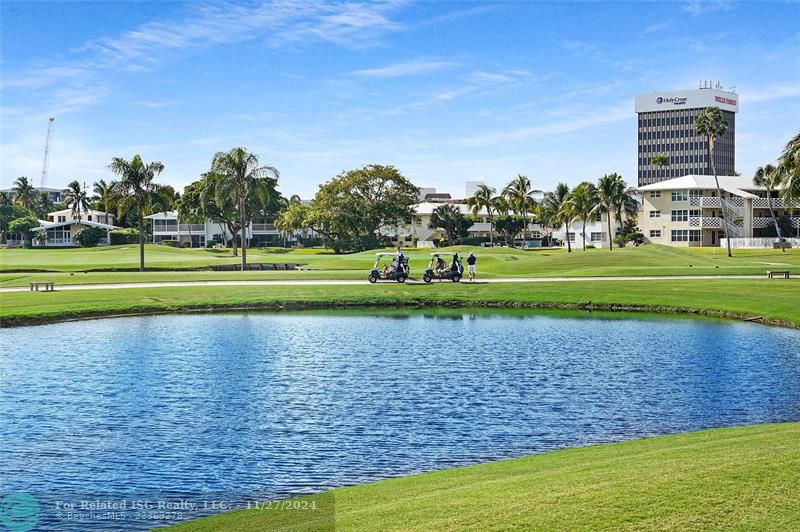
[(561, 207), (517, 197), (239, 181), (783, 178)]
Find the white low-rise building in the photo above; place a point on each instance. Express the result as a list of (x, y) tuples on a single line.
[(168, 227), (61, 226), (686, 211), (420, 234)]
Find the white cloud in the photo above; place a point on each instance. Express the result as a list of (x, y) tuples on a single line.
[(768, 94), (411, 68), (569, 123), (701, 7)]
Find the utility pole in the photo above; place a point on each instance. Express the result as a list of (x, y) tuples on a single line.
[(46, 162)]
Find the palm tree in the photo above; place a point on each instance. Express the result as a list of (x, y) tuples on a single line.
[(520, 198), (625, 202), (710, 124), (584, 201), (77, 199), (790, 168), (662, 161), (558, 200), (770, 178), (484, 199), (243, 179), (136, 190), (608, 191), (102, 195), (24, 193)]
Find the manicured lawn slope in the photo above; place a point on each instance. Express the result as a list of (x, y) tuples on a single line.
[(744, 478), (496, 262), (775, 300)]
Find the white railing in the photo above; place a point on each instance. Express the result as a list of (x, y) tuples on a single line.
[(758, 243), (777, 203), (704, 201), (760, 223), (733, 208), (195, 228), (709, 222), (481, 227), (262, 228)]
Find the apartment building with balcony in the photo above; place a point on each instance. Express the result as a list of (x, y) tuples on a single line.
[(168, 227), (687, 211)]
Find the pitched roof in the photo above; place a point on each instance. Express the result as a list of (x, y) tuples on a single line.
[(734, 184), (52, 225)]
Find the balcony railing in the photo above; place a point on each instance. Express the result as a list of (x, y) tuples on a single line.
[(264, 228), (777, 203)]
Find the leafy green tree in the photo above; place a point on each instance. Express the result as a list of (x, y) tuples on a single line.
[(23, 226), (136, 190), (89, 237), (351, 210), (770, 178), (662, 161), (454, 224), (25, 195), (76, 199), (509, 226), (484, 199), (215, 205), (584, 201), (710, 124), (8, 212), (243, 178)]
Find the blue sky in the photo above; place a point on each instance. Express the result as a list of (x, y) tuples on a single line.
[(445, 91)]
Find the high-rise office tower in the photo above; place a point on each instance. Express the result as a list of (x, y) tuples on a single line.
[(666, 126)]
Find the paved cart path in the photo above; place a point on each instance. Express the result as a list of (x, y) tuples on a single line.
[(351, 282)]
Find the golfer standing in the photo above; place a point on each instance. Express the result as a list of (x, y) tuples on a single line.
[(471, 260)]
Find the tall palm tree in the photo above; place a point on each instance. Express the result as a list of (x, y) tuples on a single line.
[(626, 203), (520, 198), (790, 168), (710, 124), (243, 179), (136, 190), (608, 192), (76, 199), (102, 195), (770, 177), (558, 200), (24, 193), (584, 200), (483, 199), (662, 161)]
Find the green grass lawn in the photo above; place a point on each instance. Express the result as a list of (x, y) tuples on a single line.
[(69, 265), (742, 478), (776, 300)]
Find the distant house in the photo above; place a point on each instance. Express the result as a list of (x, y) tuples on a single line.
[(61, 226), (167, 227)]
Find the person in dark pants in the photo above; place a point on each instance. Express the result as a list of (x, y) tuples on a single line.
[(471, 260)]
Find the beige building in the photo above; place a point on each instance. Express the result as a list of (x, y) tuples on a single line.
[(686, 211)]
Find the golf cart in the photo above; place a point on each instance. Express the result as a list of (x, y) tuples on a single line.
[(439, 268), (396, 271)]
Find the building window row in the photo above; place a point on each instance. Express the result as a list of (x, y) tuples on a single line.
[(686, 235)]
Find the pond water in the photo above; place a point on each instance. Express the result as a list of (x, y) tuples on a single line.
[(226, 408)]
